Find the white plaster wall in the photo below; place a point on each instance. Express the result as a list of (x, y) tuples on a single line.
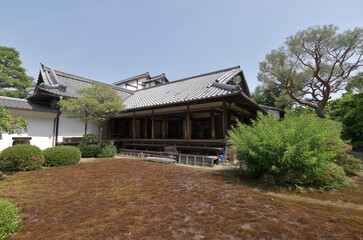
[(72, 127), (40, 129)]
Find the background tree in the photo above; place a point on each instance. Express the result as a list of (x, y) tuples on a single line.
[(13, 79), (355, 85), (98, 104), (271, 95), (349, 110), (10, 124), (314, 63)]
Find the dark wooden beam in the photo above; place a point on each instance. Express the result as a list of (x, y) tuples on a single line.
[(152, 125), (187, 120), (164, 127), (145, 127), (134, 126), (213, 123), (224, 120)]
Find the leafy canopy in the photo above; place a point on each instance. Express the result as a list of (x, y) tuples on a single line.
[(13, 79), (10, 124), (349, 110), (271, 95), (98, 104), (355, 85), (314, 63)]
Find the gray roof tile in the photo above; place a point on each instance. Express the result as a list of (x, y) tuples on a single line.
[(66, 84), (16, 103), (184, 90)]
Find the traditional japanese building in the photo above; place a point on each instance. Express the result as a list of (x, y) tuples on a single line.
[(186, 116)]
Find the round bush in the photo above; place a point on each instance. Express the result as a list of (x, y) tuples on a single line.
[(89, 150), (10, 218), (21, 157), (326, 176), (61, 156), (108, 151)]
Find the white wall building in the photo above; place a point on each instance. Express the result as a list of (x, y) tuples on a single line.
[(47, 126)]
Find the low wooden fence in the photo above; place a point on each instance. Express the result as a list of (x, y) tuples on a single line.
[(197, 160), (186, 159)]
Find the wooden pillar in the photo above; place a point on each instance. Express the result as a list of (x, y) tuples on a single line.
[(224, 120), (187, 127), (213, 123), (134, 126), (164, 127), (152, 125), (145, 127)]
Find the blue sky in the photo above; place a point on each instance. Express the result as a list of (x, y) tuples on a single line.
[(111, 40)]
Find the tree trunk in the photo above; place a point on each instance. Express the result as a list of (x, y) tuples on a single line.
[(100, 135), (320, 111)]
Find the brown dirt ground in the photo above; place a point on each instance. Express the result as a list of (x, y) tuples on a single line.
[(130, 199)]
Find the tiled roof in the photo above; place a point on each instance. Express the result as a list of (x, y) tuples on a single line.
[(199, 87), (16, 103), (204, 86), (161, 76), (272, 108), (144, 75), (65, 84)]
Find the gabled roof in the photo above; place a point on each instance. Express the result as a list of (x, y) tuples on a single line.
[(144, 75), (158, 77), (205, 86), (65, 84), (16, 103)]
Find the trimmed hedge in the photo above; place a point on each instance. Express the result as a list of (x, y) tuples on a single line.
[(10, 218), (21, 157), (108, 151), (61, 156), (89, 150)]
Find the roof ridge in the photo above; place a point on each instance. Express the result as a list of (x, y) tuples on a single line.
[(130, 78), (89, 80), (14, 99), (196, 76), (158, 76)]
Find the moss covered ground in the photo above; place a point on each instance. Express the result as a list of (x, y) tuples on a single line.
[(130, 199)]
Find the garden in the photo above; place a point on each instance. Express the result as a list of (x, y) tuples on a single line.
[(316, 192), (131, 199)]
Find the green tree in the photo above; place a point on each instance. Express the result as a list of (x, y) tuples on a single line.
[(13, 80), (10, 124), (349, 110), (314, 63), (263, 96), (271, 95), (98, 104), (355, 85)]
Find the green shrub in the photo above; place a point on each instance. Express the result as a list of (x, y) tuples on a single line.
[(90, 138), (21, 157), (61, 156), (292, 150), (349, 163), (89, 150), (10, 218), (108, 151), (326, 176)]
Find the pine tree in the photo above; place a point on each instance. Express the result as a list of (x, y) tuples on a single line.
[(13, 79)]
